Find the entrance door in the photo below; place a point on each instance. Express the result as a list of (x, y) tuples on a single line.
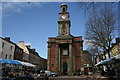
[(65, 68)]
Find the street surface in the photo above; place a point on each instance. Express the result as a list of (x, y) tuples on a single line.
[(72, 78)]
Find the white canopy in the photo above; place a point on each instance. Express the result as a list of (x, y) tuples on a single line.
[(104, 61), (27, 64)]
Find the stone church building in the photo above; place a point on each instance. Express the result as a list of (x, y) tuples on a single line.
[(65, 52)]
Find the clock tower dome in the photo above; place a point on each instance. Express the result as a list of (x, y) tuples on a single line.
[(64, 22)]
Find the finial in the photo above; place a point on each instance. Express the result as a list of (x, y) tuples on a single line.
[(63, 3)]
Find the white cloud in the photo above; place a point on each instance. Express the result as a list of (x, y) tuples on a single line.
[(86, 44), (18, 7), (27, 43)]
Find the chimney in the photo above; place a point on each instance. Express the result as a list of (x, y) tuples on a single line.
[(33, 50), (21, 43), (28, 46), (7, 38)]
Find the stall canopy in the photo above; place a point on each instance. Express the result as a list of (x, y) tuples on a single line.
[(9, 61), (104, 61), (27, 64)]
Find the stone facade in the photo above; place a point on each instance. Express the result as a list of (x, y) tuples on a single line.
[(7, 48), (25, 51), (35, 59), (18, 54), (65, 51), (115, 50)]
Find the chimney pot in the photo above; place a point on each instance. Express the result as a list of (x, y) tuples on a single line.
[(33, 50), (7, 38), (28, 46)]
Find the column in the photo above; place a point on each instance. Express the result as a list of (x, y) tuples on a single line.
[(70, 72), (59, 61)]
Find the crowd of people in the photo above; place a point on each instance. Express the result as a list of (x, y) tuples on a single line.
[(111, 73)]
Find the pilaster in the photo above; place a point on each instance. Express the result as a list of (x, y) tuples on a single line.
[(48, 61), (57, 59), (70, 72)]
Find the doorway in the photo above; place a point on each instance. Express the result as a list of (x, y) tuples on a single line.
[(65, 68)]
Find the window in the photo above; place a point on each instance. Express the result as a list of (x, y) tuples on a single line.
[(52, 64), (10, 56), (63, 9), (6, 56), (3, 44), (1, 54), (11, 48), (65, 51)]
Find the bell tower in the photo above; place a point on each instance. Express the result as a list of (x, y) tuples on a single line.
[(64, 22)]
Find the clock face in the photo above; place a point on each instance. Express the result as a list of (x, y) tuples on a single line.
[(63, 16)]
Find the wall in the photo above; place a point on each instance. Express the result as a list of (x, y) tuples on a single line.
[(7, 49)]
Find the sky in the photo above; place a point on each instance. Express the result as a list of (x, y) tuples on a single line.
[(34, 22)]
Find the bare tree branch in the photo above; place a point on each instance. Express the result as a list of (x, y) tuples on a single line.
[(101, 25)]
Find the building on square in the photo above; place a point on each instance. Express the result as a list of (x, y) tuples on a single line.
[(65, 52)]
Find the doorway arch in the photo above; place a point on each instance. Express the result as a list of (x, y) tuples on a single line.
[(65, 68)]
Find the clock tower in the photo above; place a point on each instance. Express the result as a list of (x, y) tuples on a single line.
[(64, 22), (65, 52)]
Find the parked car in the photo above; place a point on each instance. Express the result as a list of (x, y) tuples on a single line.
[(42, 76), (49, 73), (53, 74)]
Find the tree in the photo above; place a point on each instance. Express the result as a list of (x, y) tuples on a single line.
[(100, 27)]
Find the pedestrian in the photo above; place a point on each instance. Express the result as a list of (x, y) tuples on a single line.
[(111, 73), (102, 72), (78, 71), (86, 71)]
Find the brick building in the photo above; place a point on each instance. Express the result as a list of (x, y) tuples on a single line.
[(65, 52), (87, 58)]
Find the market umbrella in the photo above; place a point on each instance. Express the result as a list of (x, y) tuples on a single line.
[(9, 61), (4, 61), (14, 62), (27, 64)]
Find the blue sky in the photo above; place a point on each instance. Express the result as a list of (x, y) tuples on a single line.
[(33, 23)]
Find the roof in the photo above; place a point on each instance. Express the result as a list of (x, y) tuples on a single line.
[(31, 51), (11, 42)]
